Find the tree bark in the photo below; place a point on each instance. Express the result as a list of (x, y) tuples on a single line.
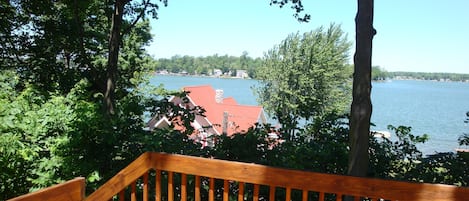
[(361, 105), (112, 62)]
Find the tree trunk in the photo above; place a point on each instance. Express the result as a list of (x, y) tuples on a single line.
[(361, 105), (114, 42)]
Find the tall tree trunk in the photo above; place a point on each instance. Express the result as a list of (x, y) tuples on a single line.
[(114, 42), (361, 105)]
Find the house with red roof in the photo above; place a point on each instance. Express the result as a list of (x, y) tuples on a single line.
[(222, 115)]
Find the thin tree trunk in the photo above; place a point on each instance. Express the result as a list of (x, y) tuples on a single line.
[(114, 42), (361, 109), (361, 105)]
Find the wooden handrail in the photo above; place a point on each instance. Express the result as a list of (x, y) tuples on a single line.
[(124, 178), (72, 190), (277, 177)]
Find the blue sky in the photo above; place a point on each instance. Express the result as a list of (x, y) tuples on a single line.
[(412, 35)]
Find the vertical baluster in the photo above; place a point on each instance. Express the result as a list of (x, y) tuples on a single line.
[(305, 195), (288, 194), (255, 197), (241, 191), (211, 190), (122, 195), (321, 196), (170, 187), (133, 193), (338, 197), (197, 188), (158, 185), (145, 187), (183, 187), (272, 193), (226, 190)]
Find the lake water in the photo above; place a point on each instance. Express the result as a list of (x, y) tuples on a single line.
[(435, 108)]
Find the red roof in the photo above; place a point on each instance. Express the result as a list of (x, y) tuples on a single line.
[(240, 117)]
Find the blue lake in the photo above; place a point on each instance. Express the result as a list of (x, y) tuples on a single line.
[(435, 108)]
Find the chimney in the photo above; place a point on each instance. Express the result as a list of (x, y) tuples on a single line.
[(219, 96), (225, 123)]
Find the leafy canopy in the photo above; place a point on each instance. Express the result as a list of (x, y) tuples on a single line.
[(305, 76)]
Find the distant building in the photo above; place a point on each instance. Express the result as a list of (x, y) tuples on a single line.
[(242, 74), (223, 115), (217, 72), (162, 72)]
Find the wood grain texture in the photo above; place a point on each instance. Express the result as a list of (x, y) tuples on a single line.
[(303, 180), (124, 178), (226, 190), (72, 190), (272, 193), (158, 185), (183, 187), (256, 192), (241, 191), (197, 188), (211, 189), (276, 177), (145, 187)]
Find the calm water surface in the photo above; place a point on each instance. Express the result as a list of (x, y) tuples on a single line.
[(435, 108)]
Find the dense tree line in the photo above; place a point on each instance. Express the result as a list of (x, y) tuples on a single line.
[(430, 76), (206, 65), (379, 73)]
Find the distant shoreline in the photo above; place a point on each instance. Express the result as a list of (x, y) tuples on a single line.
[(248, 78), (202, 76)]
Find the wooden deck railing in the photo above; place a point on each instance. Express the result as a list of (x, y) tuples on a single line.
[(175, 177), (73, 190), (158, 176)]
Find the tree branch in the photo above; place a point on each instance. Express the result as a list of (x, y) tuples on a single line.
[(140, 15)]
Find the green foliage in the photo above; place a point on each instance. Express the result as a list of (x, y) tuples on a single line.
[(464, 139), (296, 5), (396, 159), (206, 65), (430, 76), (378, 73), (305, 76), (249, 147), (31, 132), (445, 168), (53, 59)]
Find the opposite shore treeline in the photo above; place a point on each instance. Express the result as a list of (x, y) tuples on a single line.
[(229, 65)]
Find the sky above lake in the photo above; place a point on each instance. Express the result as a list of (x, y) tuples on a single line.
[(412, 35)]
